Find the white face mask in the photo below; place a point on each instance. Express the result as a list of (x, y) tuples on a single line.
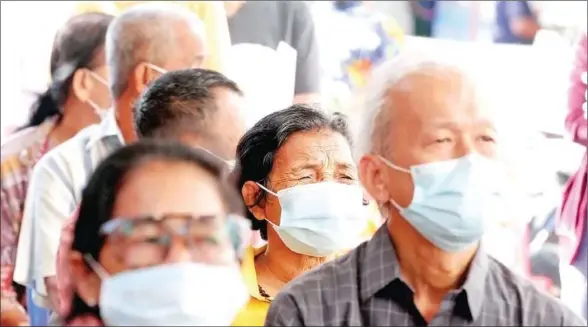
[(100, 112), (320, 219), (179, 294)]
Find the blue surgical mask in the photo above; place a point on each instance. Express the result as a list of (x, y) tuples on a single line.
[(451, 199), (320, 219)]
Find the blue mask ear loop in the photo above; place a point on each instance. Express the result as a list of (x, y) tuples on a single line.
[(398, 168), (274, 194)]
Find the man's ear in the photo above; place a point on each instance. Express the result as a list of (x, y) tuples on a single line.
[(373, 178), (250, 192), (85, 281), (81, 84), (143, 75)]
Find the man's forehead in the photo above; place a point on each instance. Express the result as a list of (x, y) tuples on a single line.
[(433, 91)]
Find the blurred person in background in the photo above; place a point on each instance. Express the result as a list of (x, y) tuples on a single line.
[(274, 55), (299, 182), (572, 226), (359, 39), (157, 241), (212, 14), (141, 44), (516, 22), (197, 107), (77, 97), (423, 17)]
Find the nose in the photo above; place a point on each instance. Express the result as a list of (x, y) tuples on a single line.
[(465, 146), (178, 251)]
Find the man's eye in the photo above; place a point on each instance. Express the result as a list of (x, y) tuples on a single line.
[(486, 138), (443, 140), (304, 178)]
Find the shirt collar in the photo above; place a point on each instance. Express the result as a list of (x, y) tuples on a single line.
[(380, 267), (249, 273), (108, 128)]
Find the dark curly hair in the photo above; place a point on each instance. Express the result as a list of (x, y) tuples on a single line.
[(258, 147)]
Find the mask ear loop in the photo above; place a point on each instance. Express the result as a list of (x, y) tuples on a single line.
[(100, 112), (272, 193), (96, 267), (156, 68), (398, 168)]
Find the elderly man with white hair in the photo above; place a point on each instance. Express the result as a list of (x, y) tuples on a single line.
[(429, 159), (141, 44)]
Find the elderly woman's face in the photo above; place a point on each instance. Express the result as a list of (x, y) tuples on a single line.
[(186, 219), (306, 158)]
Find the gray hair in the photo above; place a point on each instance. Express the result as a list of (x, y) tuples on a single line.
[(372, 123), (144, 33)]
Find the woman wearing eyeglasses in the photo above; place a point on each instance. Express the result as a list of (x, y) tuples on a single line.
[(157, 242)]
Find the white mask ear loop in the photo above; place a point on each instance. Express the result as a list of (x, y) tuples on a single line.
[(156, 68), (272, 193), (97, 267), (100, 112), (395, 167), (266, 189)]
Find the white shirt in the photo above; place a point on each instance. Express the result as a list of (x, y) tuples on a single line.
[(54, 192)]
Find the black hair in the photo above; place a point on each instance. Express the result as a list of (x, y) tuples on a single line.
[(180, 100), (75, 46), (100, 194), (257, 148)]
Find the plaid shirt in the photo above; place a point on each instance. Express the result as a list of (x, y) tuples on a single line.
[(19, 155), (366, 288)]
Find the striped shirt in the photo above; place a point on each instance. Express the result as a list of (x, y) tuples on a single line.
[(54, 192), (20, 153), (365, 288)]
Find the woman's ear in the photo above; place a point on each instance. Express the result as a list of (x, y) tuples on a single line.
[(84, 280), (250, 192), (81, 84)]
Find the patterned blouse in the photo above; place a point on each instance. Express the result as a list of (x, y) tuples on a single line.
[(19, 155)]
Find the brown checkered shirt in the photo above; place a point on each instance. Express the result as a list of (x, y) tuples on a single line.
[(365, 288)]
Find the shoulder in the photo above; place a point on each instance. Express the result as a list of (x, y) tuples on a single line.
[(533, 306), (61, 161), (18, 142), (309, 297)]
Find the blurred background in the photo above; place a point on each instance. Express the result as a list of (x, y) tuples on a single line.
[(527, 79)]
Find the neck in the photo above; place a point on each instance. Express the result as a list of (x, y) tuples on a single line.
[(232, 7), (283, 263), (123, 109), (76, 116), (431, 272)]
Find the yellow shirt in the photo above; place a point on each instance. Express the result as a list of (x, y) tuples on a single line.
[(255, 311), (212, 13)]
